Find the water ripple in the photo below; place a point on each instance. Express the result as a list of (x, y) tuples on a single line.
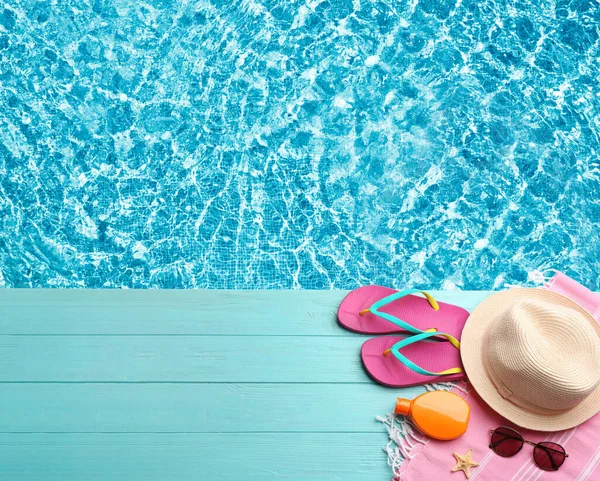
[(285, 144)]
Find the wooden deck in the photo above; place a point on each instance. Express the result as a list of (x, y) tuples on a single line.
[(188, 385)]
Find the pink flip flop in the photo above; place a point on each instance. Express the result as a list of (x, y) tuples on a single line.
[(381, 310), (413, 360)]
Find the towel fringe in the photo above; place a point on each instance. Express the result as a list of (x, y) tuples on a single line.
[(405, 439)]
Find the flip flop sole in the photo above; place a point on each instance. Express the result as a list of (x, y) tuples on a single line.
[(389, 371), (414, 310)]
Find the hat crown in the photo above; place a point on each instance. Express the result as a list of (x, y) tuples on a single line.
[(544, 356)]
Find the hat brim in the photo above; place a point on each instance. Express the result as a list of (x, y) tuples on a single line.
[(472, 352)]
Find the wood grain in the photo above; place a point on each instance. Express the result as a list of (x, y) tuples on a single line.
[(189, 408), (288, 313), (198, 385), (181, 359), (193, 457)]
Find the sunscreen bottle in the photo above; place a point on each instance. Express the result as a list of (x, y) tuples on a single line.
[(438, 414)]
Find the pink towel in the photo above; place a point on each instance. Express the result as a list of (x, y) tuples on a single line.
[(427, 459), (566, 286)]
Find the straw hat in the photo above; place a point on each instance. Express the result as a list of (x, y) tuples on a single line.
[(534, 357)]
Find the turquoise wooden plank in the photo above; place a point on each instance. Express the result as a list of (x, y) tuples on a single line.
[(169, 312), (153, 385), (43, 311), (193, 457), (116, 408), (236, 359)]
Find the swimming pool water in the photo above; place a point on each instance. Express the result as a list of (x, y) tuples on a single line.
[(286, 144)]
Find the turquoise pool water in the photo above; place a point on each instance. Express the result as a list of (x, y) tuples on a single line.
[(283, 144)]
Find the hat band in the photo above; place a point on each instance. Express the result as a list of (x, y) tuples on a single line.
[(507, 394)]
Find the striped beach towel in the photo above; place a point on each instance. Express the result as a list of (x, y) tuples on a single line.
[(415, 457), (428, 459)]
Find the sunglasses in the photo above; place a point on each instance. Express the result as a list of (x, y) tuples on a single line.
[(507, 442)]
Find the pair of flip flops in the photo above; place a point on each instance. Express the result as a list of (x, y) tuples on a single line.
[(427, 352)]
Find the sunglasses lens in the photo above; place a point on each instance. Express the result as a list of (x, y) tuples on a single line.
[(506, 442), (549, 456)]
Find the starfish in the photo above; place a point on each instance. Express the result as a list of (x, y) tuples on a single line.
[(464, 463)]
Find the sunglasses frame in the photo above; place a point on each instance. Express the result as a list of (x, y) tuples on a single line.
[(540, 445)]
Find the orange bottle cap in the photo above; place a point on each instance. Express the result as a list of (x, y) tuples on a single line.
[(403, 407)]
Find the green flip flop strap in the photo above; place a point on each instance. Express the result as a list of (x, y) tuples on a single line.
[(374, 309), (395, 350)]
